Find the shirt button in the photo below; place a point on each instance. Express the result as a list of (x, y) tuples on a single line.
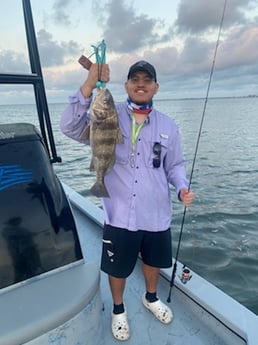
[(135, 181), (134, 195)]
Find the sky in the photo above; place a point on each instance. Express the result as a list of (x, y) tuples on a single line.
[(177, 36)]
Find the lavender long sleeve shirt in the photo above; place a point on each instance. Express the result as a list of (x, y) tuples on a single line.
[(139, 193)]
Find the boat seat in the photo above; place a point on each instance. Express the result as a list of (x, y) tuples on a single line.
[(40, 304)]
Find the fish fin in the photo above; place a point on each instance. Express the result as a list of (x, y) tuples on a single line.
[(120, 138), (95, 125), (86, 134), (99, 190)]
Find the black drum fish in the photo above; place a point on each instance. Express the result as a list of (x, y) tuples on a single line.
[(104, 133)]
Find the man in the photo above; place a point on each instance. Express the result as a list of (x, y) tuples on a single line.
[(138, 213)]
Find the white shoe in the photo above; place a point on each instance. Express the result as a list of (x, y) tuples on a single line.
[(162, 312), (120, 327)]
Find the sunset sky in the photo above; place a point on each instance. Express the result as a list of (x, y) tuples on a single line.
[(178, 37)]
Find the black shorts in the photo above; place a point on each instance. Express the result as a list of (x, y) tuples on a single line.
[(121, 248)]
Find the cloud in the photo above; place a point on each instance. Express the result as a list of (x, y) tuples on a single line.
[(11, 61), (182, 52), (199, 15), (126, 30), (62, 11), (185, 71), (196, 56), (59, 12), (53, 53), (240, 48)]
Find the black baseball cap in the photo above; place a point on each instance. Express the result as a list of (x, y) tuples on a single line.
[(142, 66)]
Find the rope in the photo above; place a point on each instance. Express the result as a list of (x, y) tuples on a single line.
[(100, 64), (172, 279), (100, 54)]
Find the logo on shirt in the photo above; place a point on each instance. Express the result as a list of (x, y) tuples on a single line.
[(164, 136)]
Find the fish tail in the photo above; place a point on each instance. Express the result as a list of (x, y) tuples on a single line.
[(99, 190)]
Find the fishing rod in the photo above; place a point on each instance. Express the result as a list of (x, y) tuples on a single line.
[(172, 279)]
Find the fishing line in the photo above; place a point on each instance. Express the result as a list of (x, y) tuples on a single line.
[(196, 150)]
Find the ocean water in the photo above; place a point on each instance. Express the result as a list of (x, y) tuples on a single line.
[(220, 232)]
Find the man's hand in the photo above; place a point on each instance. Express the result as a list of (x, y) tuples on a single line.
[(97, 72), (186, 196)]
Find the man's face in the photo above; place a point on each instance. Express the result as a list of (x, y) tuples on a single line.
[(141, 87)]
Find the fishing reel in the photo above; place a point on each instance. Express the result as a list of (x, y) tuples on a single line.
[(185, 275)]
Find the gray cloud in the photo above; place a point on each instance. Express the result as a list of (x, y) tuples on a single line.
[(62, 11), (184, 72), (13, 62), (125, 29), (59, 12), (53, 53), (239, 48), (195, 57), (199, 15)]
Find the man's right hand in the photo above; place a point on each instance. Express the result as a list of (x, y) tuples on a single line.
[(97, 72)]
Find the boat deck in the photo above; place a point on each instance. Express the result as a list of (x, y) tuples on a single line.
[(191, 324)]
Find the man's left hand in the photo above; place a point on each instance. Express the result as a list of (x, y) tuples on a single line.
[(186, 196)]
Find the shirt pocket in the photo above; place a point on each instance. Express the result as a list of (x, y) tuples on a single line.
[(150, 155), (122, 151)]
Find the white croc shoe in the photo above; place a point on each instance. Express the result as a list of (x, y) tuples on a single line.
[(162, 312), (120, 327)]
